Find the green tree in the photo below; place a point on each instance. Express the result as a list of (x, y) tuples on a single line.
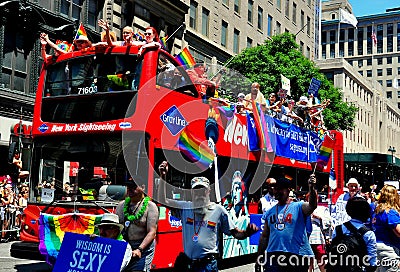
[(280, 55)]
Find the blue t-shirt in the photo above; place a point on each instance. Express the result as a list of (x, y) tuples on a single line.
[(287, 223), (384, 223)]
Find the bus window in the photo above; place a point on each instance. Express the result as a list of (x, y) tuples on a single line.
[(173, 78)]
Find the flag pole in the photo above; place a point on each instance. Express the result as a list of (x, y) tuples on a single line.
[(182, 25), (338, 35)]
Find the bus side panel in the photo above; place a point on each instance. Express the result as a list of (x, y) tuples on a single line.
[(168, 241)]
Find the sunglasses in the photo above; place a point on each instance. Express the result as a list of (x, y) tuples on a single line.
[(126, 32), (148, 34)]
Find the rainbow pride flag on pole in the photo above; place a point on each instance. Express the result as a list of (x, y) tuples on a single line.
[(163, 42), (185, 58), (325, 152), (196, 150), (53, 227), (80, 32), (261, 127)]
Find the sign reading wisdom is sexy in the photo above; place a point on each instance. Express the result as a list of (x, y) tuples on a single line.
[(80, 253)]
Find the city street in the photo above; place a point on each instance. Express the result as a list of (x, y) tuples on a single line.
[(10, 264)]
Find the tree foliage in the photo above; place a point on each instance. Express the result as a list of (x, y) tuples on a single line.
[(280, 55)]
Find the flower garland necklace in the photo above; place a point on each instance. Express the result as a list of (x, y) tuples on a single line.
[(139, 214)]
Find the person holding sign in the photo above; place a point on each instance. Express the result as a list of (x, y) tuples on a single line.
[(202, 221), (140, 218), (110, 227), (284, 237)]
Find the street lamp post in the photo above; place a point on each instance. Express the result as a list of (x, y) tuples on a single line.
[(392, 150)]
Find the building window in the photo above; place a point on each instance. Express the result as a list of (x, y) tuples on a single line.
[(341, 43), (389, 38), (398, 105), (361, 72), (369, 40), (379, 61), (224, 33), (389, 83), (350, 42), (278, 28), (250, 11), (269, 25), (14, 68), (360, 63), (369, 62), (369, 73), (379, 36), (287, 8), (398, 94), (360, 39), (301, 47), (92, 13), (379, 72), (205, 15), (71, 8), (278, 4), (308, 26), (225, 2), (193, 14), (389, 60), (236, 6), (236, 34), (389, 94), (260, 18), (380, 82), (294, 14), (249, 42), (308, 52), (388, 71), (398, 36), (350, 62), (301, 18), (398, 71)]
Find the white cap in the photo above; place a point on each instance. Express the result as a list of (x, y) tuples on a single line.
[(241, 95), (303, 98), (352, 181), (111, 219)]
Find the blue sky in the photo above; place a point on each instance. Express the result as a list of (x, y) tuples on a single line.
[(368, 7)]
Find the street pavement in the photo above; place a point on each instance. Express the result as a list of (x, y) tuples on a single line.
[(10, 264)]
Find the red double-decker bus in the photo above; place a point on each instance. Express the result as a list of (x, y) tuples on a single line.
[(104, 114)]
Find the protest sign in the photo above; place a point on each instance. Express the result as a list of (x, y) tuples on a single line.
[(80, 253)]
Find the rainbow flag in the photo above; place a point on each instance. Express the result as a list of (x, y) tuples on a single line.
[(140, 36), (185, 58), (53, 227), (195, 150), (63, 45), (81, 32), (163, 42), (325, 152), (261, 127)]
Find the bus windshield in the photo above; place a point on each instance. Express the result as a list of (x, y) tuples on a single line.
[(76, 167), (93, 74)]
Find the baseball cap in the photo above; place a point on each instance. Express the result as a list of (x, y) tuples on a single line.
[(303, 98), (200, 181), (283, 183), (241, 95)]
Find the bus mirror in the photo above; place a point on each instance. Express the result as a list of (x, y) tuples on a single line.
[(112, 192)]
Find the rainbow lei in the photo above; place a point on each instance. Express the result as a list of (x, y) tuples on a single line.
[(139, 214)]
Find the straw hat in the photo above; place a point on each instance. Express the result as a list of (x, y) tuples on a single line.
[(110, 219)]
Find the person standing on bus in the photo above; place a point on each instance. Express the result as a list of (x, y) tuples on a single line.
[(268, 200), (255, 94), (202, 221), (139, 215), (152, 39), (284, 238)]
